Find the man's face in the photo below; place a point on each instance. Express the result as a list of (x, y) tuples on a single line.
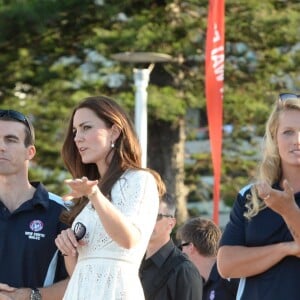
[(163, 227), (14, 156)]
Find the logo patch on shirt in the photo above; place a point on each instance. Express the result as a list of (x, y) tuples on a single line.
[(212, 295), (35, 226)]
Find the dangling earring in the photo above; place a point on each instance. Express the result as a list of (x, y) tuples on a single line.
[(112, 144)]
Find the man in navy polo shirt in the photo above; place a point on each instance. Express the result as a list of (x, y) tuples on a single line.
[(200, 241), (29, 219)]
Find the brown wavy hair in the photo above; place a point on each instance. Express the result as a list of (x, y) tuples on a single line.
[(126, 153)]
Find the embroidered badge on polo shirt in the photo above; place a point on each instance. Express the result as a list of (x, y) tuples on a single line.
[(35, 226), (212, 295)]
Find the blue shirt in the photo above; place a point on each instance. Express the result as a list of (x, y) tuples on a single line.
[(281, 281), (28, 254), (218, 288)]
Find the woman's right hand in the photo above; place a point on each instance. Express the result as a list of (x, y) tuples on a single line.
[(66, 242)]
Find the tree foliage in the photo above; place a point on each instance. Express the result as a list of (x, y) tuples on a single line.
[(53, 53)]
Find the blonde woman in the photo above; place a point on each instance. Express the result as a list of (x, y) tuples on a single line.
[(261, 242)]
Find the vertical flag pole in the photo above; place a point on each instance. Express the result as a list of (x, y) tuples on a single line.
[(214, 78)]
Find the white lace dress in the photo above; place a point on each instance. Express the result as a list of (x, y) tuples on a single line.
[(106, 271)]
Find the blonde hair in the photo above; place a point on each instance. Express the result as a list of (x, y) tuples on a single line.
[(269, 168)]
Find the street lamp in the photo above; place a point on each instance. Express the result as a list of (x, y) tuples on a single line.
[(141, 80)]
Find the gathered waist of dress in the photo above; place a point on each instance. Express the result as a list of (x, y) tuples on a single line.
[(108, 256)]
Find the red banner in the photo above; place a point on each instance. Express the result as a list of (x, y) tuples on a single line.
[(214, 77)]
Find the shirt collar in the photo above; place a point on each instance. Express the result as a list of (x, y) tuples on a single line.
[(162, 254), (213, 275), (40, 196)]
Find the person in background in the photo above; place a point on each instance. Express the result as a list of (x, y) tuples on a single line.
[(115, 203), (261, 242), (200, 241), (29, 219), (166, 273)]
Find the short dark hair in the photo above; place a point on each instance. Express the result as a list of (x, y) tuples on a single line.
[(203, 233), (29, 134), (170, 203), (16, 116)]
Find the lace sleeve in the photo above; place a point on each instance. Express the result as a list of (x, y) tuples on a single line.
[(136, 196)]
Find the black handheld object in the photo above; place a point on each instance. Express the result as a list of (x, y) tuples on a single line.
[(79, 231)]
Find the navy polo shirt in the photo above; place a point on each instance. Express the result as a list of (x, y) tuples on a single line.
[(28, 254), (218, 288), (281, 281)]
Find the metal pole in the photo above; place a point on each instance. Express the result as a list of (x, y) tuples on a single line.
[(141, 80)]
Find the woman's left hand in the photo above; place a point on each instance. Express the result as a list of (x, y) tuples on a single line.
[(66, 242), (279, 201)]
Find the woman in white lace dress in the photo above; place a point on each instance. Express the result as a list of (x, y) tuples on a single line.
[(115, 204)]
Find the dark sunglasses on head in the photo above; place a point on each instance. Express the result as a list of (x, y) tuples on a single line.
[(160, 216), (182, 245), (14, 115), (288, 96)]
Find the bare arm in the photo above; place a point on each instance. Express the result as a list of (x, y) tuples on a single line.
[(240, 261), (67, 244), (3, 296), (53, 292), (117, 226), (4, 288), (70, 263), (292, 219)]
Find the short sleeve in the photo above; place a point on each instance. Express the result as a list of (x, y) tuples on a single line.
[(234, 233), (136, 196)]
